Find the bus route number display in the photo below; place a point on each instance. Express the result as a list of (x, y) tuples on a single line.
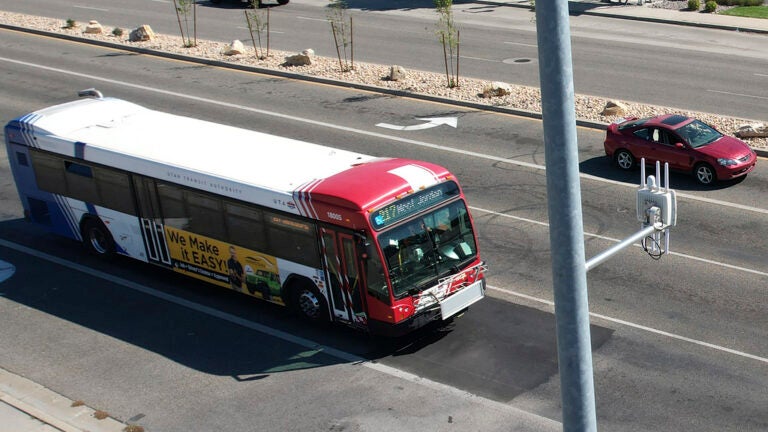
[(413, 204)]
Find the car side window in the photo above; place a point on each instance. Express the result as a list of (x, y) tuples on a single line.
[(642, 133), (674, 139), (662, 137)]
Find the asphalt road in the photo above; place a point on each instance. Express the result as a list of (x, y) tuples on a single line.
[(674, 66), (679, 344)]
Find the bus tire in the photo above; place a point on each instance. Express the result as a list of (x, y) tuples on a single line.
[(96, 238), (307, 302)]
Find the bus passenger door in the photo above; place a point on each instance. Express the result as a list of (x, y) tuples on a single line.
[(344, 280), (149, 218)]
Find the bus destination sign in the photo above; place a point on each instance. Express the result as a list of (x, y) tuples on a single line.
[(413, 204)]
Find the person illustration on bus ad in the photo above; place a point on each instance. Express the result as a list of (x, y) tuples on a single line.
[(236, 273)]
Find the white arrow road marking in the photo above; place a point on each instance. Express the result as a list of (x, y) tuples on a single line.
[(430, 123)]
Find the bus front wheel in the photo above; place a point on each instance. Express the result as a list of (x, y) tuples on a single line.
[(97, 239), (309, 304)]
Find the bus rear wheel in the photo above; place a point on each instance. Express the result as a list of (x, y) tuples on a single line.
[(309, 304), (97, 239)]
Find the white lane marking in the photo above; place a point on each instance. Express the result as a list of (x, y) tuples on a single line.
[(761, 75), (339, 354), (480, 59), (640, 327), (370, 133), (270, 32), (522, 44), (611, 239), (738, 94), (90, 8), (311, 19)]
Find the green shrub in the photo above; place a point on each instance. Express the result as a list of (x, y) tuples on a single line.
[(710, 6), (70, 23), (117, 31), (694, 5)]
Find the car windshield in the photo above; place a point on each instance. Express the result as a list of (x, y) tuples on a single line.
[(698, 133), (424, 249)]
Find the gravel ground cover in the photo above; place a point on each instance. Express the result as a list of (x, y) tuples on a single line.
[(520, 97)]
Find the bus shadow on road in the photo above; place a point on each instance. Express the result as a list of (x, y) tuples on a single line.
[(194, 324), (497, 349)]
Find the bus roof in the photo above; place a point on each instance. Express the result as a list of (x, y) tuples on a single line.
[(278, 172)]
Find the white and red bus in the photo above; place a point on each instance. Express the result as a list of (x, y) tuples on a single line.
[(382, 244)]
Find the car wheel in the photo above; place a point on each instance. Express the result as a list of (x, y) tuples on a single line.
[(704, 174), (624, 159), (97, 239)]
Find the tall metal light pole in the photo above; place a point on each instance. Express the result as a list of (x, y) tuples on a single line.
[(566, 235)]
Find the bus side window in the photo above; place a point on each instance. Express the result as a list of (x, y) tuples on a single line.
[(146, 195), (245, 226), (205, 215), (80, 182), (49, 172), (172, 205), (292, 239), (114, 190)]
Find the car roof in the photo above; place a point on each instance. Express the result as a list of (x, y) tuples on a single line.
[(667, 121)]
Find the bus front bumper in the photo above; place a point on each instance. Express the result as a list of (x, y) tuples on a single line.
[(444, 310)]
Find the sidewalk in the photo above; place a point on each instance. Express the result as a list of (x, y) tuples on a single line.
[(27, 406), (631, 10)]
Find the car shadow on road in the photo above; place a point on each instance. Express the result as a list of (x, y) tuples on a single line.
[(236, 4), (603, 167)]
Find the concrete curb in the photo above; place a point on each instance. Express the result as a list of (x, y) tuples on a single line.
[(50, 407), (289, 75)]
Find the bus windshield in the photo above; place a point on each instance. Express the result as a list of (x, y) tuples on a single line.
[(428, 247)]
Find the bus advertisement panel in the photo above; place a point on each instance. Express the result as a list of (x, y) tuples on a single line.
[(224, 264)]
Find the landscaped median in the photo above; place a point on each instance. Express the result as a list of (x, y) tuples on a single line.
[(521, 100)]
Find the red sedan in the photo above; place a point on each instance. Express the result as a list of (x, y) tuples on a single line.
[(688, 145)]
